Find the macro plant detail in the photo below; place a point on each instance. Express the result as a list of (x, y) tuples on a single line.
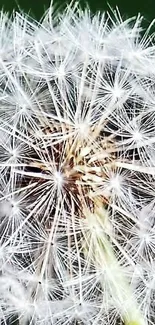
[(77, 169)]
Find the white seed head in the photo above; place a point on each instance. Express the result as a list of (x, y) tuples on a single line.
[(77, 169)]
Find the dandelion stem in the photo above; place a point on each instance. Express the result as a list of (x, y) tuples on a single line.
[(101, 252)]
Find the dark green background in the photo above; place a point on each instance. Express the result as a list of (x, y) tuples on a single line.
[(127, 8)]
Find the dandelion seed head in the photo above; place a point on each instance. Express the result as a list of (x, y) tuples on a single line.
[(77, 148)]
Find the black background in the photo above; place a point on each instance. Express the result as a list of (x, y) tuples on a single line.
[(127, 8)]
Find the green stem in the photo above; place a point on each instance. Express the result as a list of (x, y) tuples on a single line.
[(100, 251)]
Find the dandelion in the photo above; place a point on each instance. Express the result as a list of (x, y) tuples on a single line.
[(77, 169)]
